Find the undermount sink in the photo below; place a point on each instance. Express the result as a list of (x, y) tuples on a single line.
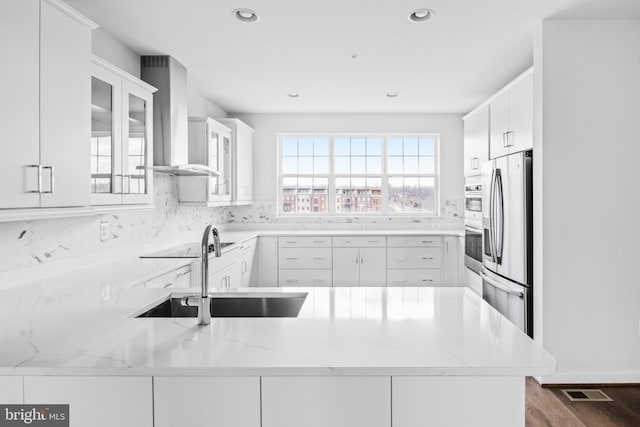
[(235, 304)]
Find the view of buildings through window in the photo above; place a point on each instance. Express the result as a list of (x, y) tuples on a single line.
[(343, 174)]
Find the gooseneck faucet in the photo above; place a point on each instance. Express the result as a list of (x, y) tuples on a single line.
[(203, 302)]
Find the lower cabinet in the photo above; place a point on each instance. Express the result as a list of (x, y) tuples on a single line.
[(96, 401), (206, 401), (11, 392), (326, 401), (458, 401), (247, 258)]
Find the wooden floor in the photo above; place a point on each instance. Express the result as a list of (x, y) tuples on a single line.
[(549, 407)]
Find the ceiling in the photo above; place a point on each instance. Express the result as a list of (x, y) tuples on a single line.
[(450, 64)]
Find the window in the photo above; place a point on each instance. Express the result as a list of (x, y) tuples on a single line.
[(363, 174)]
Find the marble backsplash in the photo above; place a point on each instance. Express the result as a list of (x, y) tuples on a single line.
[(263, 214), (27, 243)]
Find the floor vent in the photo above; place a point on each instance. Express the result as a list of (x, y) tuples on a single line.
[(586, 395)]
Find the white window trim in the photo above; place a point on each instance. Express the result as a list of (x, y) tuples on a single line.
[(384, 176)]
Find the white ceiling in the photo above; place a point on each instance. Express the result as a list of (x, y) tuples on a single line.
[(465, 53)]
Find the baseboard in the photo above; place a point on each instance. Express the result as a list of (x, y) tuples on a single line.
[(591, 378)]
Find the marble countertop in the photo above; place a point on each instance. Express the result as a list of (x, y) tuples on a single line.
[(83, 324)]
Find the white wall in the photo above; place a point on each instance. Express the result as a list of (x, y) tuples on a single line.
[(199, 106), (267, 126), (112, 50), (588, 144)]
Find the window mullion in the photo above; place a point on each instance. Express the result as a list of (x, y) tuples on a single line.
[(332, 178)]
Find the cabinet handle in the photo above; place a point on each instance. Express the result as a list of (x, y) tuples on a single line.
[(51, 184), (401, 258), (39, 184), (361, 260), (167, 285), (292, 259), (244, 267), (427, 257), (475, 163), (183, 273), (318, 241), (319, 258), (446, 246), (347, 241), (507, 138), (427, 241), (292, 280), (373, 241), (357, 259), (427, 280), (292, 242)]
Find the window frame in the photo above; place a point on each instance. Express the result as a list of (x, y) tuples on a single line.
[(384, 175)]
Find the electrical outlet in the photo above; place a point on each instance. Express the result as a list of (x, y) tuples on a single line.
[(105, 230)]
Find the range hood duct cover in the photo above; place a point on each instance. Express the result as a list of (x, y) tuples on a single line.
[(170, 116)]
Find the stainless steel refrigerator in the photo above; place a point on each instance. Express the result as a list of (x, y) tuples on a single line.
[(507, 276)]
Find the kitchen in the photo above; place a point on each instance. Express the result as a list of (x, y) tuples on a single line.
[(573, 315)]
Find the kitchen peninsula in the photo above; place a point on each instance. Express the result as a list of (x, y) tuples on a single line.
[(353, 356)]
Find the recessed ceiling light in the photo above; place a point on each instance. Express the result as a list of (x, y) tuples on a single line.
[(392, 94), (421, 15), (354, 56), (245, 15), (293, 94)]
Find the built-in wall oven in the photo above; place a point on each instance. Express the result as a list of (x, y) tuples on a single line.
[(473, 223)]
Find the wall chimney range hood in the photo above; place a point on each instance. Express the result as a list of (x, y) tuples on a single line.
[(170, 117)]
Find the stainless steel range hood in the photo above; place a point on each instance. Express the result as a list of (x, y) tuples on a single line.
[(170, 116)]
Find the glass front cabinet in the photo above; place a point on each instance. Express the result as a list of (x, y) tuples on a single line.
[(121, 137), (209, 145)]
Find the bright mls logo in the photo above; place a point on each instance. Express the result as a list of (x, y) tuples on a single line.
[(34, 415)]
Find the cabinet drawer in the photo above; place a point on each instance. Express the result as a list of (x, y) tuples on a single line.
[(304, 258), (413, 277), (413, 258), (359, 241), (305, 242), (304, 278), (413, 241)]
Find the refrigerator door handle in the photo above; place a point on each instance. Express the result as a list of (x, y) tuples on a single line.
[(492, 242), (510, 289), (500, 224)]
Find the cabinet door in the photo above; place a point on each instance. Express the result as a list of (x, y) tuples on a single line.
[(476, 141), (106, 147), (19, 108), (137, 144), (267, 272), (326, 401), (248, 256), (243, 163), (65, 121), (499, 114), (521, 114), (450, 260), (96, 401), (11, 390), (346, 266), (206, 401), (373, 267)]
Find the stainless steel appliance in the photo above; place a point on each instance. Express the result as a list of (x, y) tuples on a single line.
[(473, 248), (473, 223), (507, 274)]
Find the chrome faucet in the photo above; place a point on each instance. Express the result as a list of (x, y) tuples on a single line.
[(203, 302)]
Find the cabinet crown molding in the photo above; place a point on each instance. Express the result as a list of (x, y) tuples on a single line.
[(73, 13)]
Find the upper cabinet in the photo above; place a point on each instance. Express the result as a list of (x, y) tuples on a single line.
[(511, 121), (209, 145), (476, 140), (46, 87), (121, 137), (242, 155), (225, 145)]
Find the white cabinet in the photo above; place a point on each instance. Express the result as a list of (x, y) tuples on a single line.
[(96, 401), (267, 254), (121, 137), (511, 117), (11, 390), (247, 258), (476, 140), (209, 145), (450, 260), (458, 401), (304, 261), (414, 260), (45, 88), (242, 161), (206, 401), (326, 401), (226, 271), (359, 261)]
